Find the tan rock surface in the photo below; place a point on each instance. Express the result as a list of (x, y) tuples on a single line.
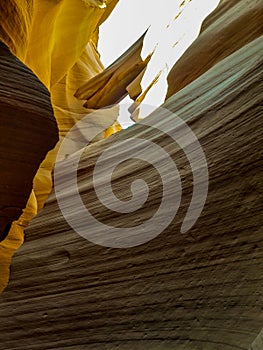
[(201, 290), (58, 41), (232, 25), (196, 291), (28, 131)]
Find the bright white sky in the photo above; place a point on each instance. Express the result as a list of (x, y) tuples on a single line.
[(172, 36)]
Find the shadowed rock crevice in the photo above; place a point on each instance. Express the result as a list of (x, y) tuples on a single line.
[(28, 131)]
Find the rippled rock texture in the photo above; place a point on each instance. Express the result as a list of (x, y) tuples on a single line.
[(28, 131), (57, 40), (201, 290), (225, 31)]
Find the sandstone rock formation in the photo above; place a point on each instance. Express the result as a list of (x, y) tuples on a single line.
[(28, 131), (200, 290), (224, 32), (36, 32)]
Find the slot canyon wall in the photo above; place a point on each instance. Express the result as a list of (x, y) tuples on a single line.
[(201, 290)]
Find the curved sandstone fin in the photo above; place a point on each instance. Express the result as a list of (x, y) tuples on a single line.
[(28, 131), (115, 82), (231, 26)]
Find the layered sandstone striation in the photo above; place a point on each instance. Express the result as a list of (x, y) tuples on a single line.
[(199, 290), (230, 27), (58, 41), (26, 119)]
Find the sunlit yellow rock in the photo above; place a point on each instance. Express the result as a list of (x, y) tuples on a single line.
[(57, 40), (15, 239)]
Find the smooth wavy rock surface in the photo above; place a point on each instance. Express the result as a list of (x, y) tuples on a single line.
[(232, 25), (28, 131), (57, 41), (201, 290)]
